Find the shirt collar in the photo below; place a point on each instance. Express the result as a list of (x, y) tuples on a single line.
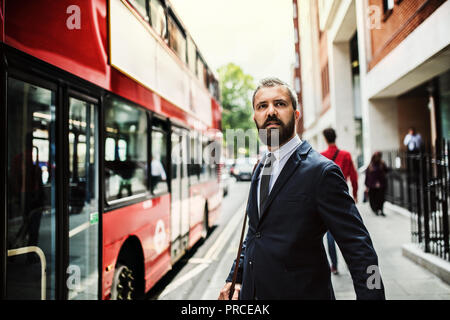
[(285, 149)]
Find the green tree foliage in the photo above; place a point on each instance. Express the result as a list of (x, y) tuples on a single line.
[(236, 89)]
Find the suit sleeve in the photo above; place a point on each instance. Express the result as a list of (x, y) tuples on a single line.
[(340, 215), (241, 264)]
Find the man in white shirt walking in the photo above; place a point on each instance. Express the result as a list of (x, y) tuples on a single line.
[(413, 141)]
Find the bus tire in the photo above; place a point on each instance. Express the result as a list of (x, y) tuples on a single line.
[(124, 283)]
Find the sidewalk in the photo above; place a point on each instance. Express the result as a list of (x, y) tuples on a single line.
[(402, 278)]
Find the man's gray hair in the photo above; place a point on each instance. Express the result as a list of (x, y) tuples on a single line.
[(273, 82)]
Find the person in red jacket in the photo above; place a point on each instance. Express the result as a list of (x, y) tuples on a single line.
[(344, 160)]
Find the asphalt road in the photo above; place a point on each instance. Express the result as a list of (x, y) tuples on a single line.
[(203, 270)]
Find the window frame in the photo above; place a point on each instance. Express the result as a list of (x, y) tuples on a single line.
[(126, 201), (165, 36), (147, 18), (387, 11), (167, 132), (171, 17)]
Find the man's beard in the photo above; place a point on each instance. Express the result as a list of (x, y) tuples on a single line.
[(276, 137)]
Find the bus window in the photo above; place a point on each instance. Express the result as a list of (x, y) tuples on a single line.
[(194, 163), (214, 156), (192, 55), (125, 150), (205, 172), (31, 191), (159, 159), (141, 7), (109, 149), (158, 18), (83, 198), (177, 40), (201, 70)]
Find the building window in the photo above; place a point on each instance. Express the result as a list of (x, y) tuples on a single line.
[(125, 151), (388, 6), (325, 82)]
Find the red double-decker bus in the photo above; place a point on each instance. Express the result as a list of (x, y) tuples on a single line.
[(108, 110)]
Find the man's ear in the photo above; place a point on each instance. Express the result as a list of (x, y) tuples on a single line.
[(297, 114)]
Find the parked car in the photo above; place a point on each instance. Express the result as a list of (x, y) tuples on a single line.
[(242, 171)]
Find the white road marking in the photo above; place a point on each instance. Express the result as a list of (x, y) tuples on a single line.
[(211, 254), (222, 240), (183, 279)]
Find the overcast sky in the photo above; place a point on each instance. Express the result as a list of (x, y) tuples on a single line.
[(257, 35)]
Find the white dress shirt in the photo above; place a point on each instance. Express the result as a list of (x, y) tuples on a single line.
[(413, 142), (282, 155)]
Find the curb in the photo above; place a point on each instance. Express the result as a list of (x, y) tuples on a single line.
[(397, 209), (432, 263)]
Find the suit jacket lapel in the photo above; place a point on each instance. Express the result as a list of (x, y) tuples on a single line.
[(253, 196), (286, 173)]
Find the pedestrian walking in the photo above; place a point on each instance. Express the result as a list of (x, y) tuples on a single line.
[(296, 195), (414, 145), (376, 183), (344, 160), (413, 141)]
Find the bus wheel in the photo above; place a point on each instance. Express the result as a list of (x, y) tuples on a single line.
[(123, 284)]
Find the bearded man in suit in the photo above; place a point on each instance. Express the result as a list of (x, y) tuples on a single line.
[(296, 195)]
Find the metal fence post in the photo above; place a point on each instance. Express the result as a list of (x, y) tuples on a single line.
[(424, 189), (445, 159)]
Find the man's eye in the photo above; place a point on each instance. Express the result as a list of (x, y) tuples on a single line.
[(261, 106), (280, 104)]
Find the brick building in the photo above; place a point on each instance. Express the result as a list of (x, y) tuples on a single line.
[(373, 68)]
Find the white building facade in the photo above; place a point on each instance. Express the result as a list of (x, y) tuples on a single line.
[(370, 69)]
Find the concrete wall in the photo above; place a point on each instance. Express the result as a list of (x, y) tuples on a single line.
[(398, 24), (422, 55)]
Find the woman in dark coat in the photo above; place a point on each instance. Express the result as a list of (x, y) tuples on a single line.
[(376, 183)]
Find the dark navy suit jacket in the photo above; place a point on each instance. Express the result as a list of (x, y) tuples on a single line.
[(283, 256)]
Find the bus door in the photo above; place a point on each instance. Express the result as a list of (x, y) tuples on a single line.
[(52, 228), (31, 189), (83, 198), (179, 217)]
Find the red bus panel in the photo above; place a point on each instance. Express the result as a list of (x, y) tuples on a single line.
[(41, 28), (150, 223), (2, 29)]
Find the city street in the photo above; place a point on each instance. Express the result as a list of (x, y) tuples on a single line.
[(201, 274)]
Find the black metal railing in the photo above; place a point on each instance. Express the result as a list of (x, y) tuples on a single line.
[(419, 182)]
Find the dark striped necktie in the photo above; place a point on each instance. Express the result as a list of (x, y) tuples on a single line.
[(265, 181)]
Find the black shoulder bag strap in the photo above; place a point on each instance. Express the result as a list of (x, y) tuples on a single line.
[(335, 155), (236, 265)]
